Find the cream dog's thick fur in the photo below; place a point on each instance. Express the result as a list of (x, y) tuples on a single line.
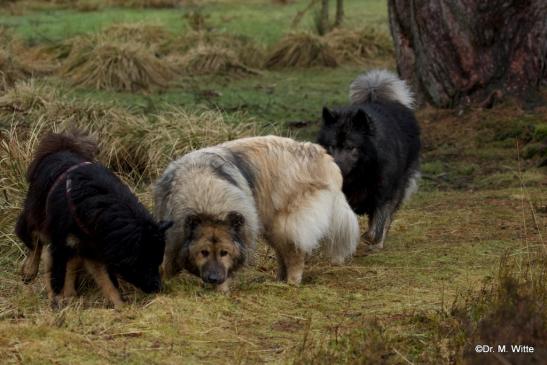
[(288, 191)]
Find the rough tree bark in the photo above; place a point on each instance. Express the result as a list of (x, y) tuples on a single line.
[(470, 51), (339, 13), (324, 17)]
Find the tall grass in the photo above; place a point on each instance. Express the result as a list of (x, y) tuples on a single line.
[(137, 145)]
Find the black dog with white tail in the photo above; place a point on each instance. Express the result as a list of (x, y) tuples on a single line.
[(376, 143)]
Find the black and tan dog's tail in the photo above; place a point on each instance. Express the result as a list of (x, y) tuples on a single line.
[(380, 85), (74, 141)]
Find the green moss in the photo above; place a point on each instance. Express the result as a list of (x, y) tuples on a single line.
[(540, 132)]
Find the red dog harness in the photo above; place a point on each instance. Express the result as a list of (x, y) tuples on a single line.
[(68, 188)]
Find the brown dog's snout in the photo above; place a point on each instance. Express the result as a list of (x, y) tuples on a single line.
[(213, 274)]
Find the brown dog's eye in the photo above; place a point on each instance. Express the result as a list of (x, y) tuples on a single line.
[(205, 253), (223, 253)]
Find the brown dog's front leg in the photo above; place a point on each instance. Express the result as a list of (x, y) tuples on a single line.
[(225, 286), (100, 274), (295, 261)]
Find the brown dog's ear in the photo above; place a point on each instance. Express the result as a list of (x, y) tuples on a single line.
[(235, 220)]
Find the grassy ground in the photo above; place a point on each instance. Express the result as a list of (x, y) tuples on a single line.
[(234, 16), (480, 200)]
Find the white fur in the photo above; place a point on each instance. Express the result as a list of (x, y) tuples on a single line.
[(344, 231), (380, 85), (412, 186)]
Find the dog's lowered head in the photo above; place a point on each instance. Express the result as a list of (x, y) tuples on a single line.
[(213, 246)]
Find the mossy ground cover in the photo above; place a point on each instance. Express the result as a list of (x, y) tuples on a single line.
[(421, 300)]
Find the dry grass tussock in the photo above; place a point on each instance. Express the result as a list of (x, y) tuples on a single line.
[(152, 36), (246, 50), (109, 65), (210, 60), (301, 50), (24, 97), (42, 59), (510, 310), (358, 46), (11, 70), (135, 145)]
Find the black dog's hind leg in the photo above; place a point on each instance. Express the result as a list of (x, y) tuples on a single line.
[(31, 239), (379, 222)]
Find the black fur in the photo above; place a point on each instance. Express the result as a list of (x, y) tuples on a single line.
[(376, 145), (111, 225), (240, 161), (221, 173)]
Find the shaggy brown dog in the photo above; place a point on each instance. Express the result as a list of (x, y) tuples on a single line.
[(222, 197)]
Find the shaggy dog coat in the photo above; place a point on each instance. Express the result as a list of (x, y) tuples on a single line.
[(290, 192), (376, 142), (89, 217)]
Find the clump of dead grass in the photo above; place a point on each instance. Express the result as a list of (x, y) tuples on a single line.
[(138, 146), (105, 65), (244, 48), (509, 310), (42, 59), (356, 46), (366, 344), (11, 70), (301, 50), (152, 36), (23, 98), (211, 60)]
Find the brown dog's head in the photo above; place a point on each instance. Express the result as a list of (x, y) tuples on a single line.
[(213, 248)]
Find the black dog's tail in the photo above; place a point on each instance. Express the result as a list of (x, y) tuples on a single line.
[(74, 141), (378, 85)]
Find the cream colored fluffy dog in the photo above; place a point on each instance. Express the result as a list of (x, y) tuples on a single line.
[(221, 198)]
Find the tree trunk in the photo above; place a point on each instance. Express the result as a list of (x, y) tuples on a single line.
[(339, 13), (470, 51), (323, 26)]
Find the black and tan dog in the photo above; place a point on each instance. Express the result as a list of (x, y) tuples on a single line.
[(89, 217)]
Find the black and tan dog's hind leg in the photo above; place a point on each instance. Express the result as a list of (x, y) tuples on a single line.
[(31, 264), (102, 278), (56, 265), (34, 243), (73, 268)]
